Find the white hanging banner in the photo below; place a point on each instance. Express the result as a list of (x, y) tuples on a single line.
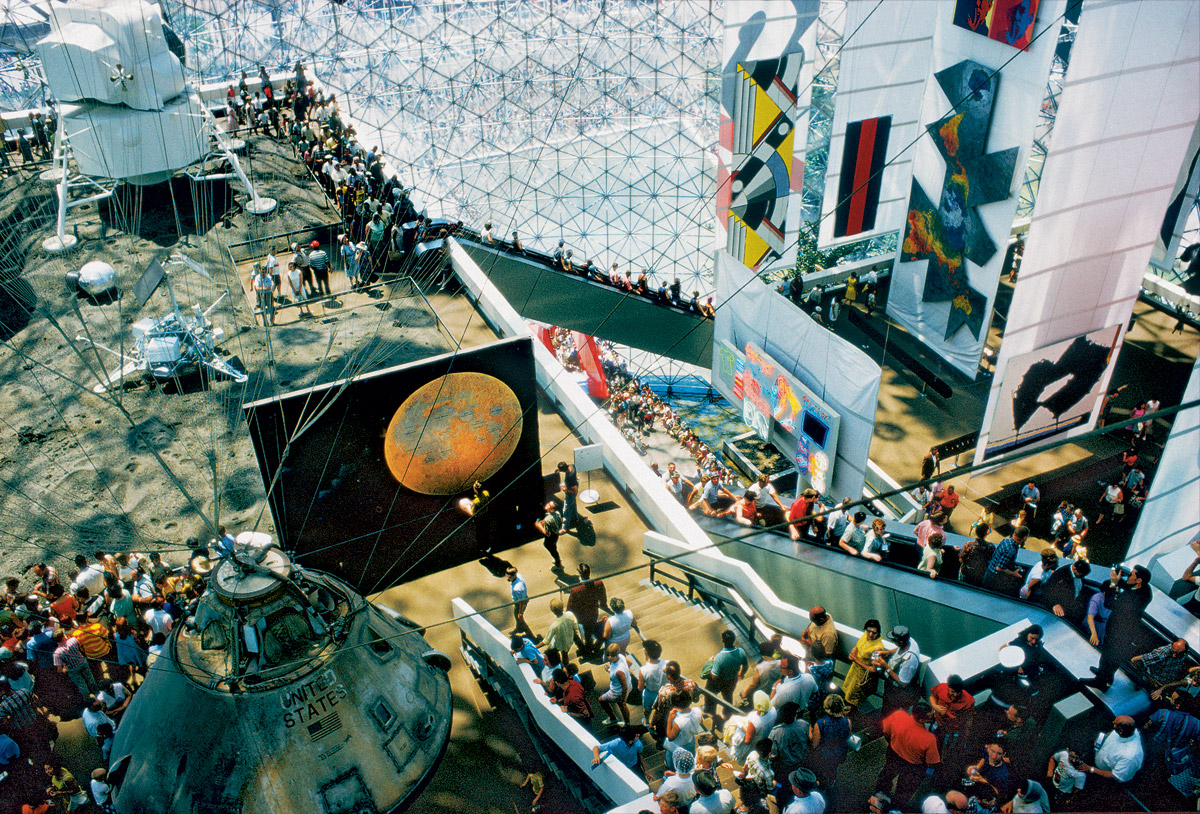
[(766, 89), (1125, 120), (884, 65), (979, 116), (1170, 517)]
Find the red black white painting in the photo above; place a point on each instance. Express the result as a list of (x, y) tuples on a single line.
[(1006, 21)]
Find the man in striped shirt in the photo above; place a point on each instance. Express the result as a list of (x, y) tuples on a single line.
[(319, 261), (95, 641), (69, 659), (17, 708)]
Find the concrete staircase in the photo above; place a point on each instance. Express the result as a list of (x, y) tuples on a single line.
[(688, 631)]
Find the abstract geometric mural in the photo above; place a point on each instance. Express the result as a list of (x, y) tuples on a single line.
[(1050, 389), (862, 175), (1006, 21), (951, 233), (763, 110)]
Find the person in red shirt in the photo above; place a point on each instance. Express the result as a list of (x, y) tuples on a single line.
[(586, 599), (953, 709), (570, 695), (912, 749), (948, 501), (798, 514), (62, 605)]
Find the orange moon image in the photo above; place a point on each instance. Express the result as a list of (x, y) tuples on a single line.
[(454, 430)]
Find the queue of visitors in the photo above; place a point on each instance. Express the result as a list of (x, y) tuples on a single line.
[(985, 753), (782, 724), (648, 283), (380, 224)]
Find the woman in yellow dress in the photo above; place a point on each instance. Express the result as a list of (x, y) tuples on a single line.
[(861, 678), (851, 288)]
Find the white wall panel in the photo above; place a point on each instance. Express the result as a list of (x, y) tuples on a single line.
[(884, 66), (1127, 114), (1015, 112)]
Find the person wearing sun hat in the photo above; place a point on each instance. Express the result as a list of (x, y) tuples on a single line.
[(759, 723), (807, 798)]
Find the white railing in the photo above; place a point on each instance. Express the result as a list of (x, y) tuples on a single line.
[(617, 782), (622, 463)]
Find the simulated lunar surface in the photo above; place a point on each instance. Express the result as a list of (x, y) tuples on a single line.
[(452, 431)]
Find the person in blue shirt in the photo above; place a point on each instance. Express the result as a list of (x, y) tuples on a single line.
[(1002, 572), (520, 598), (626, 747), (225, 542), (1030, 494), (526, 652)]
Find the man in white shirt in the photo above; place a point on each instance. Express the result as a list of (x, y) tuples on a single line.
[(94, 715), (1065, 772), (89, 576), (270, 265), (710, 797), (157, 619), (836, 521), (794, 686), (764, 493), (114, 697), (807, 800), (946, 803), (143, 592), (1119, 753)]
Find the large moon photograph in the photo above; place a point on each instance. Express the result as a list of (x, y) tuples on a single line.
[(451, 432), (365, 475)]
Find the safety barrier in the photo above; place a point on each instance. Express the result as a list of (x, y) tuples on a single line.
[(614, 780)]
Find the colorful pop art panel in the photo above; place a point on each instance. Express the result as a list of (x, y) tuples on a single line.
[(1006, 21), (758, 388), (763, 174)]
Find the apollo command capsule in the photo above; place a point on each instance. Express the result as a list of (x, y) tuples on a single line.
[(285, 692)]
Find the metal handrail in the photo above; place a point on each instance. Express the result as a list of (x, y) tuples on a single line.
[(748, 628)]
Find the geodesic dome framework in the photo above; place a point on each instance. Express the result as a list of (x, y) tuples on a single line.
[(591, 122)]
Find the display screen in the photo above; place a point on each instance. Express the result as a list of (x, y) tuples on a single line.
[(816, 429)]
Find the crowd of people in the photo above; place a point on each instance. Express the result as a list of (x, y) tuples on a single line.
[(781, 724), (648, 283), (78, 647), (380, 224), (825, 302), (34, 143), (983, 757)]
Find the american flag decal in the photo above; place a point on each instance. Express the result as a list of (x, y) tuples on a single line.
[(330, 723)]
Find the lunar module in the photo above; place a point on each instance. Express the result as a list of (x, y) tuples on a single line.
[(176, 343), (126, 111), (285, 692)]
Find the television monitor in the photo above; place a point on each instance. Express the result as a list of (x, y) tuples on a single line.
[(816, 429)]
